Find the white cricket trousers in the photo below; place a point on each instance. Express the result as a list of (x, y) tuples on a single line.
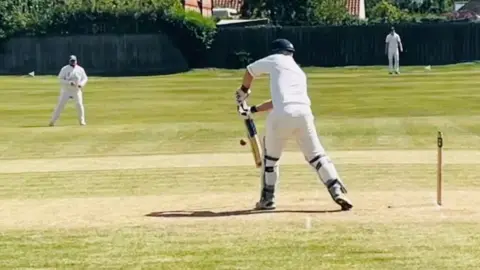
[(281, 126), (65, 95), (393, 61)]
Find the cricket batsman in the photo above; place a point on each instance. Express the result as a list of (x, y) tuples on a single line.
[(392, 44), (72, 79), (290, 116)]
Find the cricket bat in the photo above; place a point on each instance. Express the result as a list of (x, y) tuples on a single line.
[(254, 141)]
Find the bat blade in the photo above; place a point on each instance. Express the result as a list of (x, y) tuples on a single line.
[(254, 141)]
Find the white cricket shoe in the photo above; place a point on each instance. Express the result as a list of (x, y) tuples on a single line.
[(335, 189), (343, 201)]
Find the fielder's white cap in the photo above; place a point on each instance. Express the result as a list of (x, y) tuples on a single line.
[(73, 58)]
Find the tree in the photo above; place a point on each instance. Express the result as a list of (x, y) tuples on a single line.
[(370, 4), (387, 12), (300, 12), (414, 6), (280, 11), (333, 12), (425, 6)]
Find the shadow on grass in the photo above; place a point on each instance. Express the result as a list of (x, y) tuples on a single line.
[(175, 214), (34, 126), (47, 126)]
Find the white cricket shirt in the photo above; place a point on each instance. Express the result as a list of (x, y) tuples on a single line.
[(72, 74), (288, 82), (393, 42)]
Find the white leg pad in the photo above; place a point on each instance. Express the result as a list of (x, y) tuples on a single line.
[(324, 168), (326, 171), (271, 171)]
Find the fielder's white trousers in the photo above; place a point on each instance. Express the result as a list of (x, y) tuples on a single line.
[(299, 123), (65, 95), (393, 61)]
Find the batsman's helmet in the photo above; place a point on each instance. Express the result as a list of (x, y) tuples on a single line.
[(282, 45)]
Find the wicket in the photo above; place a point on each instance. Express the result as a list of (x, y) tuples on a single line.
[(439, 167)]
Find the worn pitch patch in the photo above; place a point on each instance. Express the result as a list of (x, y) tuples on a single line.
[(230, 159), (227, 211)]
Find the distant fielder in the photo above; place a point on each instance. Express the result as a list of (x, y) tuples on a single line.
[(290, 116), (392, 44), (72, 80)]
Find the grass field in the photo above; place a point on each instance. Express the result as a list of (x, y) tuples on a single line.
[(158, 180)]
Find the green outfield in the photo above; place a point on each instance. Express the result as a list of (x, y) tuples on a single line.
[(158, 180)]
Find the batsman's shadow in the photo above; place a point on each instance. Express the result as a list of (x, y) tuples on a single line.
[(203, 214), (33, 126)]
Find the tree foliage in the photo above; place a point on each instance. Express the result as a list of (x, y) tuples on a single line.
[(427, 8), (334, 12), (190, 31), (386, 12), (300, 12)]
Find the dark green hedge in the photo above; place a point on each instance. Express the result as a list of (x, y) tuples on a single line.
[(190, 31)]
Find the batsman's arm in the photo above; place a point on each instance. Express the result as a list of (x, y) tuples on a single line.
[(247, 80), (255, 69), (263, 107)]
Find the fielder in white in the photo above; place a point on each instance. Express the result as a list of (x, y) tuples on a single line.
[(290, 116), (72, 80), (392, 44)]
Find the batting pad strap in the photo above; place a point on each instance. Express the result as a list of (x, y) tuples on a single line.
[(332, 182), (267, 157), (316, 159), (269, 169)]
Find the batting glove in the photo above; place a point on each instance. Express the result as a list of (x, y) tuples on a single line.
[(241, 95), (245, 111)]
